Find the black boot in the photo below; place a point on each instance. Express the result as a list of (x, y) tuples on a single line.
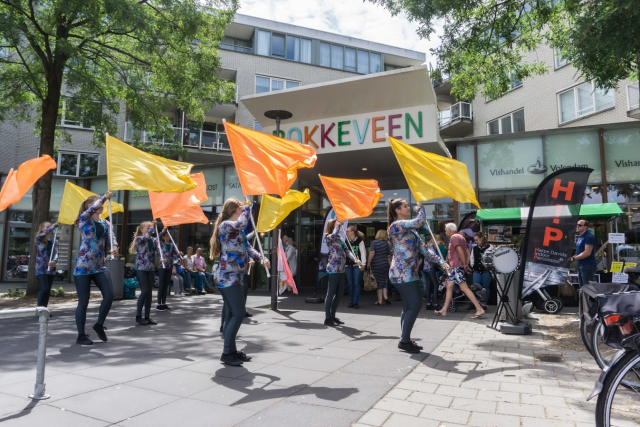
[(100, 331)]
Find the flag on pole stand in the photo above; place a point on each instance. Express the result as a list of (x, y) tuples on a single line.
[(18, 182)]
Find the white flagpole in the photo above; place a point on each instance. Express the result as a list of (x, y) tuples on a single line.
[(110, 229), (434, 240), (55, 234), (259, 244), (159, 248)]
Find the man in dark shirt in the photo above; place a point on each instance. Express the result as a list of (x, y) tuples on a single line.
[(585, 254)]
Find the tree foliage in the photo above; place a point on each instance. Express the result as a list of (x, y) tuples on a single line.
[(487, 43), (104, 55)]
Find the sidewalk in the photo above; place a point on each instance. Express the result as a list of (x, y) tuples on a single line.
[(479, 377), (302, 374)]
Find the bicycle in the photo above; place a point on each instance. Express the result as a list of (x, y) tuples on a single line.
[(620, 317)]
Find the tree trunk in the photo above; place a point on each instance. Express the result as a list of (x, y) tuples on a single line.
[(42, 188)]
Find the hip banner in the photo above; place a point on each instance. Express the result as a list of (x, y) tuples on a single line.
[(551, 229)]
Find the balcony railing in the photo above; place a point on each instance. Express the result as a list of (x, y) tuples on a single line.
[(633, 97), (461, 110), (188, 138), (242, 49)]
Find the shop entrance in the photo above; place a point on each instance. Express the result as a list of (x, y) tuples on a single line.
[(17, 250)]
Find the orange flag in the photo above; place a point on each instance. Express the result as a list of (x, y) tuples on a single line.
[(188, 216), (266, 164), (19, 182), (168, 204), (352, 198)]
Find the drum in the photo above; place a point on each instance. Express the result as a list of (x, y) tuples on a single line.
[(501, 259)]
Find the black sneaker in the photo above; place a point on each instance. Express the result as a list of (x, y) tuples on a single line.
[(247, 314), (231, 359), (100, 331), (416, 344), (409, 347), (201, 293), (84, 340), (166, 307), (150, 321), (141, 321), (160, 308), (356, 306), (243, 356), (337, 321), (350, 305), (329, 322)]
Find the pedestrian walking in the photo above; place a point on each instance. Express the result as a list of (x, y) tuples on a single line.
[(90, 265), (481, 275), (403, 273), (379, 262), (145, 246), (229, 242), (46, 258), (430, 279), (352, 271), (338, 252)]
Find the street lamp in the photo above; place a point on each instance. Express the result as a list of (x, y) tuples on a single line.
[(276, 115)]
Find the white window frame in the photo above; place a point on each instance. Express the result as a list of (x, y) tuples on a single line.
[(574, 88), (499, 120), (77, 154), (63, 114), (271, 79), (556, 57)]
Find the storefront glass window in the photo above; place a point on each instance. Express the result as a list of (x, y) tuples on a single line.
[(464, 153), (497, 199), (510, 163), (214, 178), (622, 155), (232, 184), (572, 150)]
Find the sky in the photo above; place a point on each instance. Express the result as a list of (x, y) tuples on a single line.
[(354, 18)]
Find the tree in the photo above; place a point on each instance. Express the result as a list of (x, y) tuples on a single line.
[(146, 55), (487, 43)]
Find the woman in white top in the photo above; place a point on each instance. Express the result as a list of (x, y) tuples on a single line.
[(187, 264)]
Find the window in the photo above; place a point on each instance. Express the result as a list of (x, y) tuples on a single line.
[(305, 51), (511, 123), (75, 115), (293, 48), (350, 59), (363, 62), (239, 45), (325, 55), (277, 45), (559, 60), (268, 84), (78, 164), (257, 126), (374, 63), (337, 57), (582, 101), (263, 44)]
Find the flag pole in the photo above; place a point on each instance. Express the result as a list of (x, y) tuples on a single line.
[(55, 234), (259, 243), (159, 248), (111, 229), (434, 240)]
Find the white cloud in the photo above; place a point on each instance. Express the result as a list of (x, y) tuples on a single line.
[(353, 18)]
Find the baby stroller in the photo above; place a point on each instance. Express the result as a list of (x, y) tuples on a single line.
[(459, 298)]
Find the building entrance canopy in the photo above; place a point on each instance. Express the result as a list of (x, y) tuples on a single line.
[(347, 122)]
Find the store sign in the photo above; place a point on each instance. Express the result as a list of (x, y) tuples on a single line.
[(363, 131), (574, 150), (621, 155)]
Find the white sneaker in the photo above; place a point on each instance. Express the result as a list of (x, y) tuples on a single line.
[(178, 295)]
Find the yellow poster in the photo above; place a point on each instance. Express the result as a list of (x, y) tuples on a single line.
[(616, 267)]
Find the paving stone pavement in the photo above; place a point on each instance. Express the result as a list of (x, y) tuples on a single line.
[(479, 377), (302, 374)]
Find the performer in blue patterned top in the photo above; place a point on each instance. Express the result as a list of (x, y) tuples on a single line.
[(230, 244), (338, 253), (404, 273), (145, 246), (94, 233), (46, 258), (170, 255)]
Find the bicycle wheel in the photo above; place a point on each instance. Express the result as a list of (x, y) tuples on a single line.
[(618, 406), (600, 351), (585, 334)]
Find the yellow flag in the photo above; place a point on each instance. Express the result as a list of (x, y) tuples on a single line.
[(431, 176), (131, 169), (274, 210), (72, 199)]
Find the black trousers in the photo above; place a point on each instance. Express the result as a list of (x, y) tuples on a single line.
[(334, 293), (145, 280), (226, 312), (233, 297), (164, 281), (83, 287), (411, 305), (45, 281)]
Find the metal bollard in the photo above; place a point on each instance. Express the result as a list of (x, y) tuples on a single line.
[(39, 392)]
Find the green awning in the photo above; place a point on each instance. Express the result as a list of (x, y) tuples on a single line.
[(593, 212)]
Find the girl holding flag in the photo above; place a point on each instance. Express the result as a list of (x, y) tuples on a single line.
[(90, 264), (230, 244), (46, 258), (338, 252), (169, 254), (145, 246), (403, 273)]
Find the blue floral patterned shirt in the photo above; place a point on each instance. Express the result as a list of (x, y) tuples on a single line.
[(338, 252), (234, 251), (44, 247), (407, 245), (92, 252), (146, 250), (170, 253)]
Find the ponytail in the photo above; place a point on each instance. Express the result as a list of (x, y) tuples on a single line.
[(84, 206), (138, 232), (228, 209), (391, 210)]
